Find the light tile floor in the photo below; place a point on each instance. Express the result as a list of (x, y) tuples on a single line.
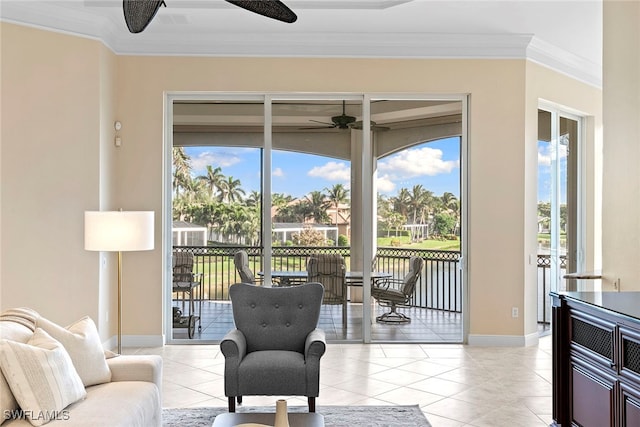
[(455, 385)]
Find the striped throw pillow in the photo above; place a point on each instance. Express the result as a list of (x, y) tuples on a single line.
[(41, 377)]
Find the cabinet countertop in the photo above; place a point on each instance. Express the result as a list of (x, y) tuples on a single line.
[(623, 303)]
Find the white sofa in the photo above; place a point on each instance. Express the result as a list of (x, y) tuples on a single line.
[(131, 395)]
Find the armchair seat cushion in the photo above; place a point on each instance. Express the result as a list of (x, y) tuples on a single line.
[(388, 295), (272, 373)]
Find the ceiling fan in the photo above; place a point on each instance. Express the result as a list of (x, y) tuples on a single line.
[(341, 122), (139, 13)]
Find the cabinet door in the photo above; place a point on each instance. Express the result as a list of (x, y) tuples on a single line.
[(593, 396), (630, 406)]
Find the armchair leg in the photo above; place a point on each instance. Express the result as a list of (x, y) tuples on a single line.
[(393, 316), (312, 404), (232, 403), (239, 400)]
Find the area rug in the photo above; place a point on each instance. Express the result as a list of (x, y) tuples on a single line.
[(334, 416)]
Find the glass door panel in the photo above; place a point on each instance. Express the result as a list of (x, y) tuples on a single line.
[(217, 205), (311, 181), (558, 201), (417, 148)]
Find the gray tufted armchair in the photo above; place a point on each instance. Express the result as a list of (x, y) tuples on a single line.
[(276, 347)]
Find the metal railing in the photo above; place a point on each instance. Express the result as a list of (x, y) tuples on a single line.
[(439, 287), (544, 281)]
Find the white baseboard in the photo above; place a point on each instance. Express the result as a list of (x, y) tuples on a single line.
[(135, 341), (504, 340)]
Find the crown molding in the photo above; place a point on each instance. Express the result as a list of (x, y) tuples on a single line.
[(111, 31), (564, 62)]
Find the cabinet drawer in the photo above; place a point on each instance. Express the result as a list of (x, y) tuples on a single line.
[(593, 338), (630, 354)]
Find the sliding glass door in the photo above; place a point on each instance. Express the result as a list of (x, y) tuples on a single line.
[(284, 177), (559, 223)]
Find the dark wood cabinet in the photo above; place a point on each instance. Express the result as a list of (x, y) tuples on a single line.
[(596, 359)]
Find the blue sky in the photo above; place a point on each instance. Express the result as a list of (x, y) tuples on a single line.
[(435, 165), (545, 153)]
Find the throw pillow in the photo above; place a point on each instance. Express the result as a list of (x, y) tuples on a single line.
[(41, 376), (82, 342)]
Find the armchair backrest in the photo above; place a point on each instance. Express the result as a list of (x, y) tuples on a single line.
[(241, 262), (411, 278), (330, 270), (276, 318), (182, 263)]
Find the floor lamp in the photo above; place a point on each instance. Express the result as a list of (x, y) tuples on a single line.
[(118, 231)]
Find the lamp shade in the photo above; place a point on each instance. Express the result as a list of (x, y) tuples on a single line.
[(118, 231)]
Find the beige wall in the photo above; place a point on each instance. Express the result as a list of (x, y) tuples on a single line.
[(51, 135), (501, 162), (621, 182)]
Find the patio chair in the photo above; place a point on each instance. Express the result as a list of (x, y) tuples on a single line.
[(395, 292), (276, 347), (186, 282), (330, 270), (241, 261)]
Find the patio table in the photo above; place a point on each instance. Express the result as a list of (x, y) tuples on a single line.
[(294, 277)]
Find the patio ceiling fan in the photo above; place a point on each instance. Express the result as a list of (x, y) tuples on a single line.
[(139, 13), (341, 122)]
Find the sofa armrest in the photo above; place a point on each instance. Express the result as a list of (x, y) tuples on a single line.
[(136, 368), (315, 345)]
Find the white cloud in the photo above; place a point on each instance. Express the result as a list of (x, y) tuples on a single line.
[(546, 153), (416, 162), (544, 159), (332, 171), (385, 184), (277, 172), (199, 163)]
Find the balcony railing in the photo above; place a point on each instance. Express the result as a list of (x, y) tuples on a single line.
[(439, 287)]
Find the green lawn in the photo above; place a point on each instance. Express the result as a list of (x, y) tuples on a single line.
[(404, 242)]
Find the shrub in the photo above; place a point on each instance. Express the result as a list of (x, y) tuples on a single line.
[(343, 240)]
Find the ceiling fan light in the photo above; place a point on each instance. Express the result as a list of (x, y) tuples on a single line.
[(139, 13)]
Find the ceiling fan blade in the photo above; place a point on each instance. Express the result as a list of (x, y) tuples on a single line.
[(317, 128), (323, 123), (270, 8), (372, 126), (138, 13)]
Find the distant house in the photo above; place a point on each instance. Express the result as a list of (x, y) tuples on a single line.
[(188, 234), (284, 231)]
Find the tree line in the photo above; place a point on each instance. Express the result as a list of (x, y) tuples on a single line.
[(221, 204)]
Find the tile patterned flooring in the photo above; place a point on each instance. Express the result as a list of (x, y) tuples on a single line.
[(454, 384)]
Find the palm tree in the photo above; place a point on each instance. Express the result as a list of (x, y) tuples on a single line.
[(181, 169), (318, 207), (253, 199), (336, 195), (420, 201), (212, 179), (231, 190), (401, 202)]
